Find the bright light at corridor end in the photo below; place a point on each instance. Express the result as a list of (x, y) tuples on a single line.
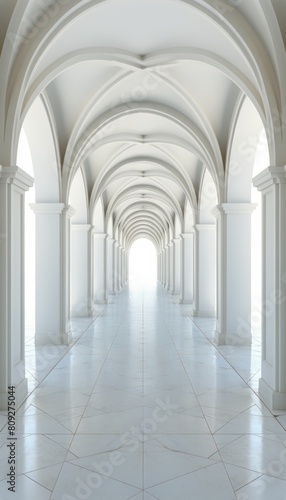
[(142, 263)]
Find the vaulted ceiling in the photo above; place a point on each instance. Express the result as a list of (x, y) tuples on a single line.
[(142, 94)]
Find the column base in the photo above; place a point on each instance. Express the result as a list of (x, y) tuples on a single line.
[(204, 314), (53, 339), (229, 339), (101, 302), (21, 392), (81, 313), (275, 401), (186, 302)]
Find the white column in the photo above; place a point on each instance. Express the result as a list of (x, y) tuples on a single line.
[(272, 385), (233, 273), (159, 255), (80, 270), (187, 268), (52, 273), (110, 265), (167, 264), (99, 268), (171, 267), (116, 267), (13, 184), (122, 267), (68, 212), (119, 267), (163, 266), (205, 270), (177, 266), (127, 266)]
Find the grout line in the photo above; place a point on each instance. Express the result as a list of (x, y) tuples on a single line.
[(143, 387), (61, 358), (233, 368)]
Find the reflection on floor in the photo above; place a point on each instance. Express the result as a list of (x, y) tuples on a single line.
[(143, 406)]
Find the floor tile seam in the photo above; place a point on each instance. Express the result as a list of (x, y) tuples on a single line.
[(231, 442), (224, 466), (47, 436), (68, 451), (226, 462), (251, 378), (246, 382), (101, 453), (106, 476), (194, 455), (151, 495), (115, 335), (183, 475), (25, 474), (34, 481), (230, 367), (134, 496), (45, 413), (251, 405), (155, 301), (45, 467), (61, 358), (229, 479), (194, 392), (251, 482), (260, 475), (229, 421)]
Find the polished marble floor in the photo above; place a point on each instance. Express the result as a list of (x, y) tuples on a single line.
[(142, 405)]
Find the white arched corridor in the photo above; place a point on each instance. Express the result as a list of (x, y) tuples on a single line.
[(143, 248)]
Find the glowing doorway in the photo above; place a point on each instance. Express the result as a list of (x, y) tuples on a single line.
[(142, 264)]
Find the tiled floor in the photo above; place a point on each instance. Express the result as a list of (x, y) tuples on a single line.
[(143, 406)]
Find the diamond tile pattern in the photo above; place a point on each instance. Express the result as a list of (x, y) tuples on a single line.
[(143, 406)]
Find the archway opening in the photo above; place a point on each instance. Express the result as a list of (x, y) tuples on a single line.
[(142, 264)]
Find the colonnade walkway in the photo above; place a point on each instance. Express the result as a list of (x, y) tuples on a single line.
[(143, 406)]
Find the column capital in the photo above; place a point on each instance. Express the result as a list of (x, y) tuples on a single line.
[(269, 176), (98, 235), (69, 210), (16, 176), (48, 208), (233, 209), (184, 236), (81, 227), (204, 227)]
